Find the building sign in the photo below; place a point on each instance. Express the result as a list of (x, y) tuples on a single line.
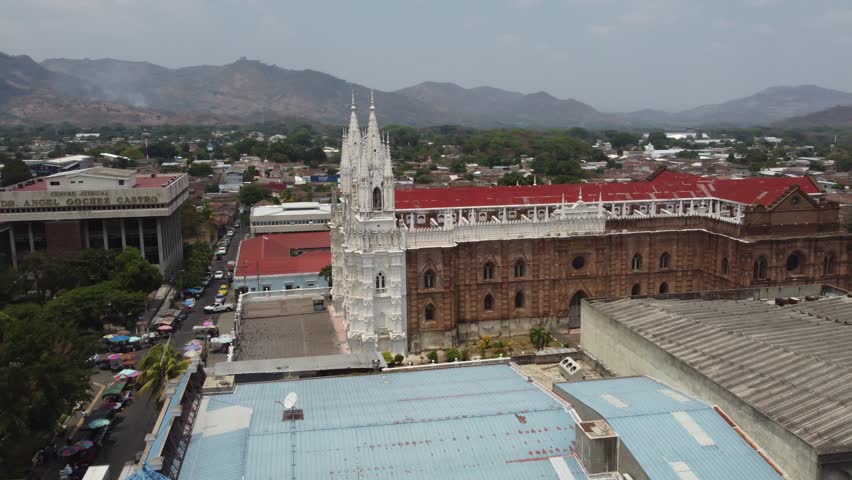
[(79, 198)]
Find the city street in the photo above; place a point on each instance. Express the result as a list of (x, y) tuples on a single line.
[(127, 437)]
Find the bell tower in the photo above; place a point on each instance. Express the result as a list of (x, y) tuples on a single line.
[(368, 258)]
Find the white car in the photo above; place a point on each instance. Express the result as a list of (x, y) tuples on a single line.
[(219, 275), (219, 299), (221, 251), (219, 307)]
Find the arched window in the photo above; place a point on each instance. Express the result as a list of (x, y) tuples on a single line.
[(574, 307), (664, 260), (520, 268), (760, 268), (488, 270), (636, 263), (795, 262), (664, 287), (380, 281), (429, 314), (488, 303), (636, 290), (519, 300), (725, 266), (377, 198), (429, 279), (828, 264)]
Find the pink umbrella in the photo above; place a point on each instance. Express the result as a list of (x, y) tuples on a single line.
[(207, 324), (164, 328), (115, 356)]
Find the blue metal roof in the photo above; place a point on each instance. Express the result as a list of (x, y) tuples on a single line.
[(165, 425), (472, 422), (664, 429)]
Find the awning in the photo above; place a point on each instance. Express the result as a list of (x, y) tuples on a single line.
[(164, 321), (114, 388)]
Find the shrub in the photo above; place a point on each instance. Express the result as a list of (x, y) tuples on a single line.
[(388, 358), (452, 355), (398, 358), (432, 356)]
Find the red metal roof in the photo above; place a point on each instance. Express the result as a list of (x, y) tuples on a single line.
[(664, 185), (270, 254)]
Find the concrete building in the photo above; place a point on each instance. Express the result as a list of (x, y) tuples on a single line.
[(783, 373), (41, 168), (96, 208), (283, 261), (290, 217)]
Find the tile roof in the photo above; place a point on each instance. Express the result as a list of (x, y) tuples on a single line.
[(663, 185), (481, 422), (270, 254), (794, 367), (684, 430)]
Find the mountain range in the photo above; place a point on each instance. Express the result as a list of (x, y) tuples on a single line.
[(92, 92)]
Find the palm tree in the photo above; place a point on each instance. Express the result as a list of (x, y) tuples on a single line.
[(540, 337), (161, 364)]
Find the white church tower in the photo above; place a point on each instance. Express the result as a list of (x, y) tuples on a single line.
[(368, 261)]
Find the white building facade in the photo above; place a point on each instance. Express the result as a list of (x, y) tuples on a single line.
[(368, 261)]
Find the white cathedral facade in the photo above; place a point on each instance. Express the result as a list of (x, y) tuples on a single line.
[(368, 260)]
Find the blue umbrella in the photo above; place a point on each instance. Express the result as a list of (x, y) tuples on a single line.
[(119, 338), (99, 423)]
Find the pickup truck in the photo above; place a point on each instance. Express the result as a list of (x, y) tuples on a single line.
[(219, 307)]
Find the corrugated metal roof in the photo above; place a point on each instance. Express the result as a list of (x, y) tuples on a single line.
[(794, 367), (476, 422), (661, 426)]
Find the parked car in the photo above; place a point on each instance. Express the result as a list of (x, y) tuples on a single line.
[(219, 299), (237, 224), (219, 307), (219, 275), (221, 251), (231, 233)]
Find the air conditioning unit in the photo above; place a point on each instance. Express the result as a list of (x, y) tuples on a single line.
[(597, 446)]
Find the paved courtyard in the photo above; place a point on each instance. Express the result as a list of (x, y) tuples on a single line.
[(296, 335)]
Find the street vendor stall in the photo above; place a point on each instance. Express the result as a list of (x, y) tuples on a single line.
[(113, 390)]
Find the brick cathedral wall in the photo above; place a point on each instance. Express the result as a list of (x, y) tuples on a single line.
[(550, 280)]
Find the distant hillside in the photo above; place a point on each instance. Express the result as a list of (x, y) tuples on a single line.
[(248, 91), (245, 90), (493, 106), (768, 106), (836, 117)]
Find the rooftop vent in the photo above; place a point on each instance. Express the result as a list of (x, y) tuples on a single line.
[(597, 446)]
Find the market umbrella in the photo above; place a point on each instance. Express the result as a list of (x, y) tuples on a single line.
[(99, 423), (164, 328), (85, 444), (226, 338), (207, 324), (119, 338), (134, 339), (190, 353), (216, 340), (127, 373), (107, 337), (68, 451), (115, 356)]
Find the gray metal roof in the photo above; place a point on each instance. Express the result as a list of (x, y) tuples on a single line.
[(838, 309), (794, 367), (359, 360)]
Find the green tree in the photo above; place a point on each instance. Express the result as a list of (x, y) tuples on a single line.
[(43, 374), (161, 364), (515, 178), (658, 139), (452, 354), (131, 152), (326, 274), (253, 193), (14, 171), (249, 174), (197, 169), (458, 166), (540, 337), (134, 273)]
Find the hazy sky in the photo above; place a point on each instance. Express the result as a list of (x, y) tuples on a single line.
[(612, 54)]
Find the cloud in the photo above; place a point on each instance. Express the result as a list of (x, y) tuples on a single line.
[(762, 3), (763, 28), (526, 3), (598, 30)]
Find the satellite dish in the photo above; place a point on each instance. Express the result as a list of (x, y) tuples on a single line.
[(290, 401)]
